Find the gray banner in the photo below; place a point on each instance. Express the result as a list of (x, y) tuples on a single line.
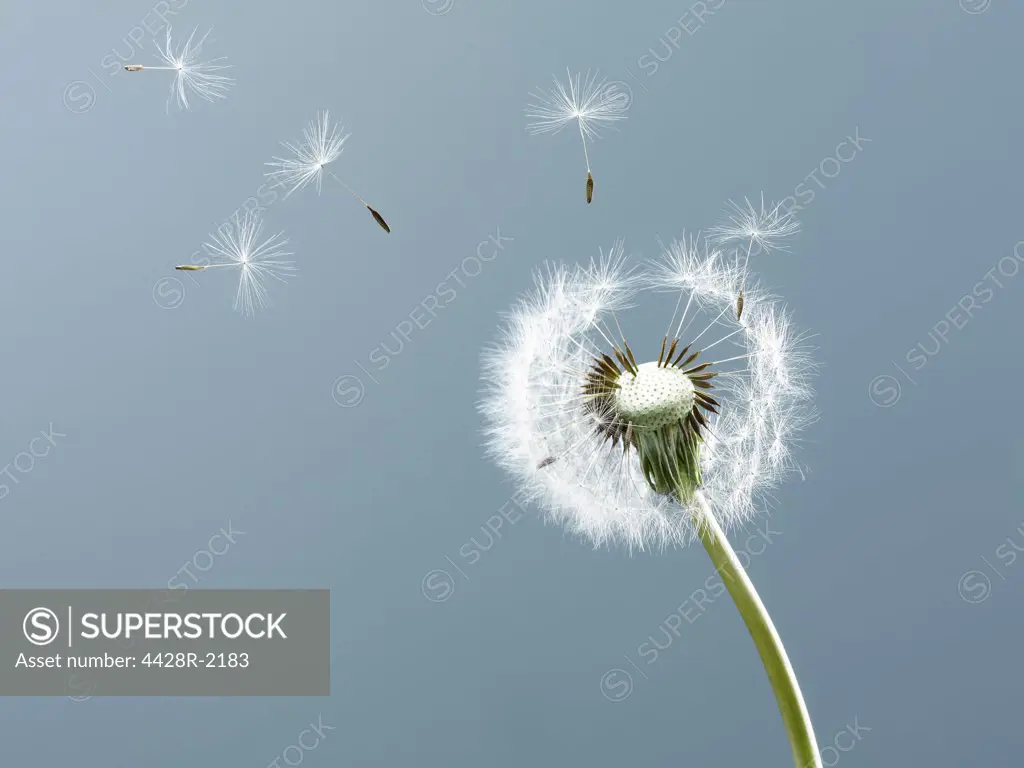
[(174, 642)]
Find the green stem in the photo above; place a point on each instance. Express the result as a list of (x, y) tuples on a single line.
[(769, 645)]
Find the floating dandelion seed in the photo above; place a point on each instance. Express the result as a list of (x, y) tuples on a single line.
[(765, 229), (590, 103), (663, 452), (240, 248), (199, 77), (321, 145)]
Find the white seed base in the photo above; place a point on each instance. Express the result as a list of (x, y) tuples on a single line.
[(655, 397)]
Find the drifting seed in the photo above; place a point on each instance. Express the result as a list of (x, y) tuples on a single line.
[(379, 219), (133, 67), (739, 306), (590, 187), (547, 462), (190, 268)]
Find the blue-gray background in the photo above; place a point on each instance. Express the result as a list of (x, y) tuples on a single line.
[(178, 421)]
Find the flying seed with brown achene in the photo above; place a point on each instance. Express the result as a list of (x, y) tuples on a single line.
[(739, 306), (379, 219), (190, 268), (589, 101), (308, 161), (547, 462), (133, 67)]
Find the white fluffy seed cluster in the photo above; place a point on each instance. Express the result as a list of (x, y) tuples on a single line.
[(535, 408), (191, 73), (654, 397)]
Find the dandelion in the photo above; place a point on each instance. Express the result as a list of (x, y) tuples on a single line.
[(685, 445), (321, 145), (256, 261), (590, 103), (191, 74)]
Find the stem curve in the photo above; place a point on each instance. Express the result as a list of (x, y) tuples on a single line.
[(769, 645)]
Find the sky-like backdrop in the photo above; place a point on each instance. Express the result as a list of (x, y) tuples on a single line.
[(340, 440)]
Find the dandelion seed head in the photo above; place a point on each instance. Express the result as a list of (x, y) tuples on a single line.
[(192, 75), (257, 262), (321, 145), (602, 432), (767, 227), (654, 396), (590, 100)]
